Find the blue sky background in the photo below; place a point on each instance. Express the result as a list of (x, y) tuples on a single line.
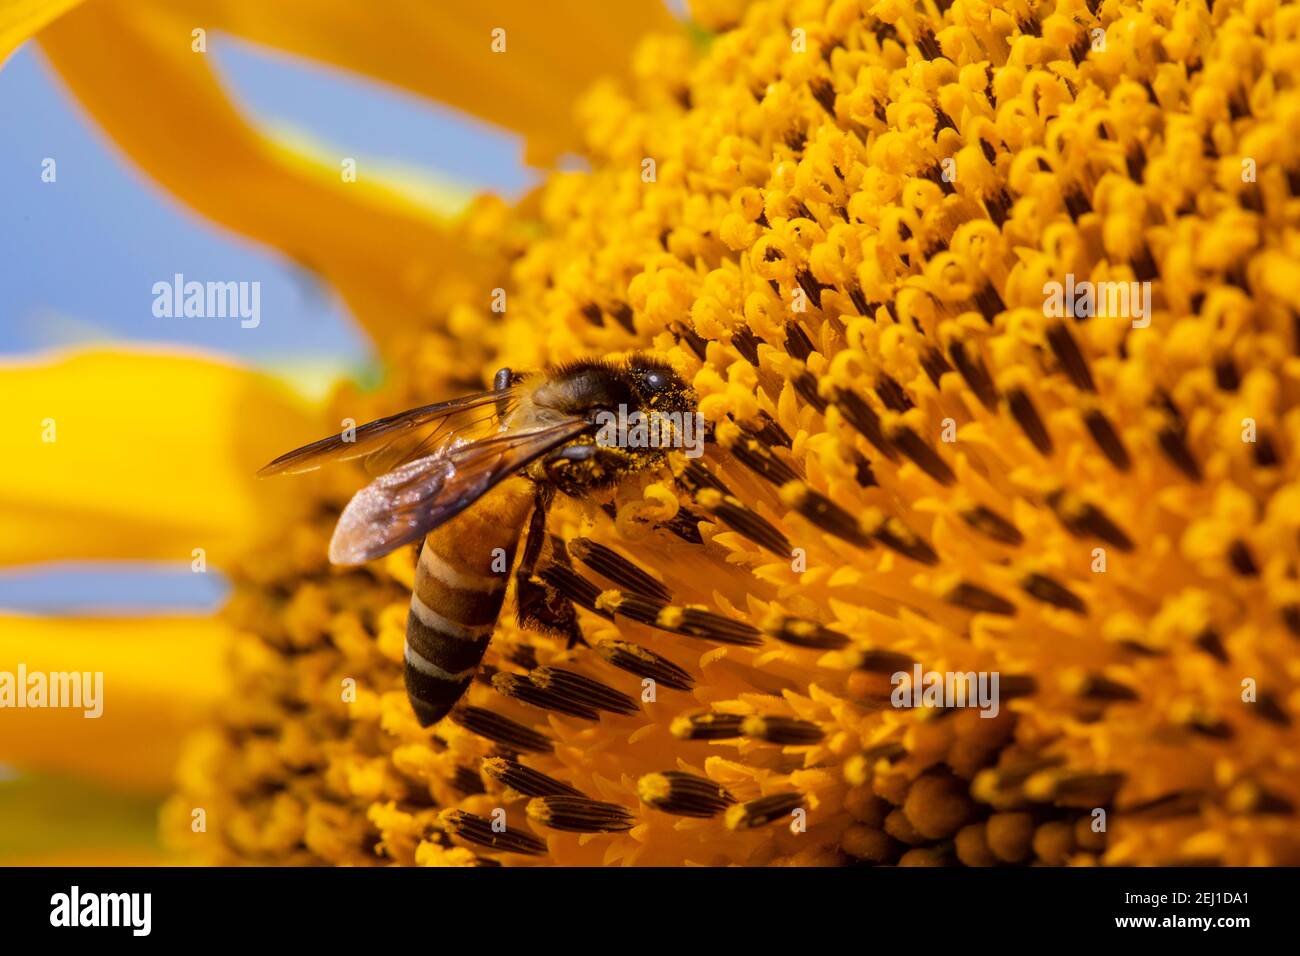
[(78, 257)]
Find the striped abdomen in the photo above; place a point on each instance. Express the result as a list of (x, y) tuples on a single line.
[(460, 584)]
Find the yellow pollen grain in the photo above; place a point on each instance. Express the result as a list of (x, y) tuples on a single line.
[(794, 494), (670, 617), (610, 600), (654, 788)]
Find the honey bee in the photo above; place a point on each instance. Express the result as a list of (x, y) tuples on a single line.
[(467, 475)]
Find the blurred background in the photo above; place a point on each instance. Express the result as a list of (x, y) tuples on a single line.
[(78, 259), (79, 256)]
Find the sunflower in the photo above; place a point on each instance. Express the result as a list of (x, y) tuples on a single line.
[(149, 454), (886, 243)]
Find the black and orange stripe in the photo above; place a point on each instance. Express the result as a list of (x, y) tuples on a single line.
[(460, 584)]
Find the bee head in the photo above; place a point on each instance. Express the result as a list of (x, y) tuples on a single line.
[(657, 386), (639, 408)]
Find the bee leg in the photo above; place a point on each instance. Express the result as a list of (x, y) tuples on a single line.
[(506, 377), (503, 379), (557, 469), (536, 536), (540, 606), (560, 464), (587, 453)]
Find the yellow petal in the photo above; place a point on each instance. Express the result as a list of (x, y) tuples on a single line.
[(111, 829), (21, 19), (133, 454), (445, 51), (369, 242), (94, 856), (160, 677)]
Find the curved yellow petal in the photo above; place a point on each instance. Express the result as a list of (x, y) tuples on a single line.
[(135, 454), (20, 20), (94, 856), (112, 828), (524, 79), (372, 244), (160, 677)]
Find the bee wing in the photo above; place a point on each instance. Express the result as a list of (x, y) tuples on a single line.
[(388, 442), (404, 505)]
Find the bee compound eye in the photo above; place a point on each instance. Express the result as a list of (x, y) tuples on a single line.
[(655, 380)]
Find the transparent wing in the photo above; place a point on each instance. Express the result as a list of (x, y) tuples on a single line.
[(404, 505), (386, 443)]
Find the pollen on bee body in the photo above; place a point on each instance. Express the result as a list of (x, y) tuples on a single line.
[(634, 428)]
